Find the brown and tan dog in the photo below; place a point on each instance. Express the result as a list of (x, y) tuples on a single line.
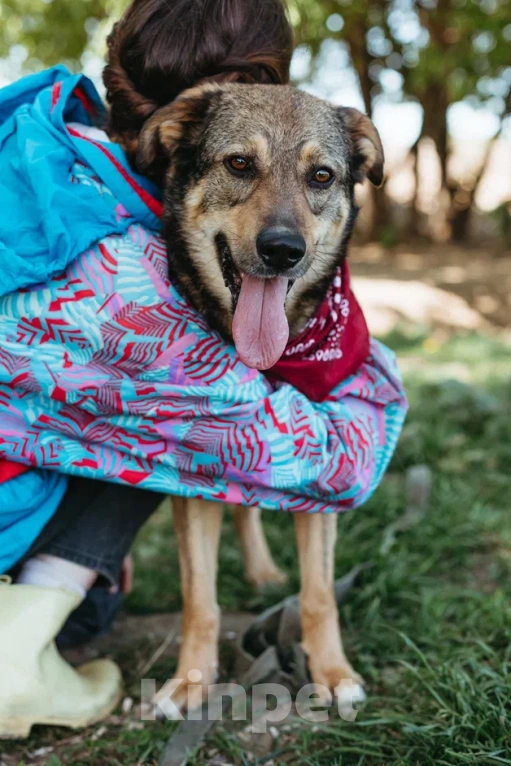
[(259, 206)]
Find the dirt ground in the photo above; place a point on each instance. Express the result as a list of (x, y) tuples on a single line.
[(130, 630), (444, 287)]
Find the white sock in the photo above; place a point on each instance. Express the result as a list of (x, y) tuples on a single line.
[(53, 572)]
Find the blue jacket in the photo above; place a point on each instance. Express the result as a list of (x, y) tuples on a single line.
[(39, 207), (27, 503)]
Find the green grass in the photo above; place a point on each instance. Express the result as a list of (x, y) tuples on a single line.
[(428, 626)]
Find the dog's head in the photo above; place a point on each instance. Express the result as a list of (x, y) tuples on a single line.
[(258, 202)]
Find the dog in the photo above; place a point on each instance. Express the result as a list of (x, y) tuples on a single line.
[(259, 207)]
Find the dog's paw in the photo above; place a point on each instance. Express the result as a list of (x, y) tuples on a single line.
[(339, 685), (349, 696), (184, 692)]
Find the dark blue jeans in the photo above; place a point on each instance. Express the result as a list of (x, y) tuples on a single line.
[(95, 525)]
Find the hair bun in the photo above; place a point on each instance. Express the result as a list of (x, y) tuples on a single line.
[(159, 49)]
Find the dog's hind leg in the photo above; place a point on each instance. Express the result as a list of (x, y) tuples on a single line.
[(321, 633), (260, 568), (197, 525)]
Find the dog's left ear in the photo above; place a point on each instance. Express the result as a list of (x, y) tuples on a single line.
[(367, 157), (171, 126)]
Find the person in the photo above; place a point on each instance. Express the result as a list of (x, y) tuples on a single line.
[(61, 539)]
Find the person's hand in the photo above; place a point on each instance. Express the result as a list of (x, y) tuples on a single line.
[(126, 583)]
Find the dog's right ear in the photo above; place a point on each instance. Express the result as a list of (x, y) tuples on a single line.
[(178, 124)]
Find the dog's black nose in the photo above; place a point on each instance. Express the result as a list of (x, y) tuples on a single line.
[(281, 248)]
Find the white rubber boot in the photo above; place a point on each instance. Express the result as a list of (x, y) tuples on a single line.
[(37, 686)]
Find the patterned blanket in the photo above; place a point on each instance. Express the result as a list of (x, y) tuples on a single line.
[(107, 372)]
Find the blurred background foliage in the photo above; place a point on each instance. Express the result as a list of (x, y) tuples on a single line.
[(380, 55), (434, 53)]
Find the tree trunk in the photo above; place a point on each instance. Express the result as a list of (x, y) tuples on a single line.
[(356, 35), (413, 226), (460, 219), (382, 214), (463, 196)]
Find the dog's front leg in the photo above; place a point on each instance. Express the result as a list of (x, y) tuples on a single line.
[(321, 633), (260, 568), (197, 525)]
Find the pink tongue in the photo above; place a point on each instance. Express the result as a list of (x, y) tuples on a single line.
[(260, 329)]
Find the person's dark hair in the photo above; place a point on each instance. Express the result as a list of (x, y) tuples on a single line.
[(161, 47)]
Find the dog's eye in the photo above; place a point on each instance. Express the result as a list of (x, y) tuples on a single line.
[(238, 165), (322, 177)]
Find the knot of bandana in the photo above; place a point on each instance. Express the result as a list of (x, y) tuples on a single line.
[(333, 345)]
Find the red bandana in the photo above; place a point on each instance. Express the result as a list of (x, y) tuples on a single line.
[(332, 346)]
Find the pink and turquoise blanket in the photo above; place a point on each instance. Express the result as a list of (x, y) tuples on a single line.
[(107, 372)]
